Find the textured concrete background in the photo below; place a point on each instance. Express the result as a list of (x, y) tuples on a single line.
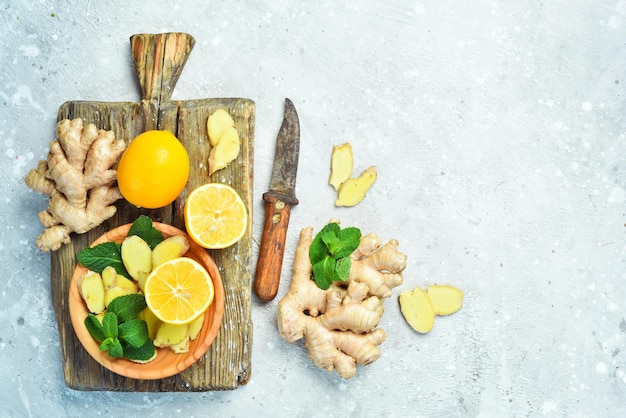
[(499, 133)]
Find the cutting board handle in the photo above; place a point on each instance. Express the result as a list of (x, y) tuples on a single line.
[(159, 60)]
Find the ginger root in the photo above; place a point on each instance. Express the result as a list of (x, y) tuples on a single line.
[(79, 179), (339, 325)]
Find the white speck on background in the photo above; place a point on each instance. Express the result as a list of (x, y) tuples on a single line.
[(23, 98), (601, 368), (420, 8), (615, 22), (617, 195), (34, 341), (587, 106), (30, 51), (548, 406)]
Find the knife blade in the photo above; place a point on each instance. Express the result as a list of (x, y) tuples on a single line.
[(279, 200)]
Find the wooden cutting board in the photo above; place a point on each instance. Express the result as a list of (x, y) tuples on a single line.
[(159, 60)]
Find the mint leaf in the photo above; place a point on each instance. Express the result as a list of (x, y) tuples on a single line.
[(102, 255), (106, 344), (115, 349), (330, 252), (319, 248), (95, 328), (342, 269), (144, 229), (127, 307), (109, 325), (350, 239), (134, 332), (323, 272), (317, 251), (113, 346), (329, 233), (142, 354)]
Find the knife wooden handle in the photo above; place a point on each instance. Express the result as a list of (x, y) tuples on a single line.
[(270, 263)]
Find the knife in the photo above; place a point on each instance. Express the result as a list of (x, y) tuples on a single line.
[(278, 202)]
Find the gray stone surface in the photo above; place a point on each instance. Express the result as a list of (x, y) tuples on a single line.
[(499, 133)]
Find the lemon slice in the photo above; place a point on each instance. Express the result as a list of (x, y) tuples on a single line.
[(179, 291), (215, 216)]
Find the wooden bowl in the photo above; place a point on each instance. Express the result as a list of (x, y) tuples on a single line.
[(167, 363)]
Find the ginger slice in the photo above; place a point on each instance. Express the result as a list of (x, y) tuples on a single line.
[(417, 310), (353, 191), (91, 289), (169, 249), (152, 322), (136, 256), (225, 151), (419, 307), (217, 124), (224, 140), (111, 279), (445, 299), (116, 291), (341, 164), (168, 335), (79, 178), (195, 327)]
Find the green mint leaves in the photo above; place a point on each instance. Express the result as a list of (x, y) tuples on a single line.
[(144, 228), (330, 253), (120, 332), (105, 254), (110, 253)]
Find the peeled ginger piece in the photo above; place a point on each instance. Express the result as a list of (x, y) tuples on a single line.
[(226, 150), (353, 191), (217, 123), (350, 190), (445, 299), (419, 307), (417, 310), (341, 163), (224, 140)]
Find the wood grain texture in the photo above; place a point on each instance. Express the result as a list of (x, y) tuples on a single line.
[(227, 364), (270, 266)]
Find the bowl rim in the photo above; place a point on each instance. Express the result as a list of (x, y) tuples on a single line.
[(171, 362)]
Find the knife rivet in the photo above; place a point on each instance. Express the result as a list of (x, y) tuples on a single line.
[(279, 205), (276, 218)]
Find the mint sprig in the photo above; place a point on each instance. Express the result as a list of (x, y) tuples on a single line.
[(330, 253), (121, 333), (144, 228)]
